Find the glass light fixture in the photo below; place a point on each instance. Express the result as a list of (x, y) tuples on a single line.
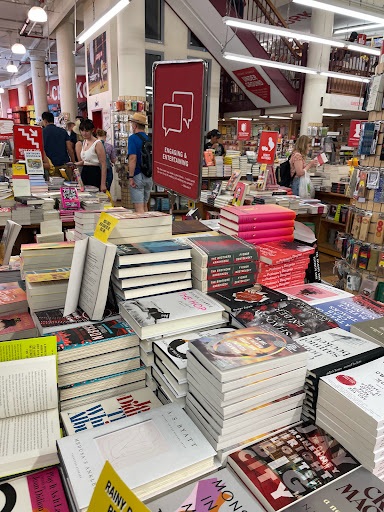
[(11, 68), (37, 14), (18, 48)]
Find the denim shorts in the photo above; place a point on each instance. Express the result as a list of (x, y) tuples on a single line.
[(142, 191)]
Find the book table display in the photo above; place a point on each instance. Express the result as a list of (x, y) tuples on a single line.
[(208, 369)]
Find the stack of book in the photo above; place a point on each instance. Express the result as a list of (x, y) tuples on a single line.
[(101, 359), (258, 223), (276, 470), (339, 188), (329, 352), (372, 330), (153, 452), (42, 256), (244, 383), (11, 271), (5, 214), (44, 295), (140, 227), (38, 184), (350, 407), (227, 169), (13, 298), (16, 326), (283, 263), (222, 262), (151, 268), (219, 166), (21, 214), (50, 231)]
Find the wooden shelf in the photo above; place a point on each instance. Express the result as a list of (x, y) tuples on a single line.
[(328, 249), (324, 219)]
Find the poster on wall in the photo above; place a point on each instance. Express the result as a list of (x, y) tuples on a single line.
[(97, 65), (243, 129), (354, 133), (267, 147), (179, 91)]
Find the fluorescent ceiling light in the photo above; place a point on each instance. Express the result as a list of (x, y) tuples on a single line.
[(264, 117), (357, 28), (1, 90), (148, 87), (268, 63), (345, 11), (364, 49), (344, 76), (279, 117), (107, 16), (325, 114), (11, 68), (242, 118), (291, 67), (279, 31), (18, 48), (37, 14)]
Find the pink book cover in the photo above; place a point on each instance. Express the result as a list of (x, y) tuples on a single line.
[(310, 293), (5, 210), (15, 323), (47, 245), (46, 491), (258, 212), (69, 198), (276, 234), (286, 238), (260, 226)]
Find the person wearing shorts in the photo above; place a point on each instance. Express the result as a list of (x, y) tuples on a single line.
[(139, 185)]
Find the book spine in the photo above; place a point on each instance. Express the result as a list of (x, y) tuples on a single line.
[(244, 219)]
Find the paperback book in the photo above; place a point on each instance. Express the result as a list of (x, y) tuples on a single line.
[(372, 330), (315, 293), (221, 250), (17, 326), (151, 252), (247, 297)]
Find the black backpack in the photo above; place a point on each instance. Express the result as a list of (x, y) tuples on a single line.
[(283, 174), (146, 156)]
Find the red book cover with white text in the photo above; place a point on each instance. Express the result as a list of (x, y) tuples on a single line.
[(257, 213), (278, 252)]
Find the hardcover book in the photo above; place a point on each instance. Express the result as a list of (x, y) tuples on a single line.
[(257, 213), (315, 293), (276, 469), (247, 297), (221, 492), (153, 316), (293, 318), (278, 252), (246, 351), (351, 310), (107, 411), (38, 491), (221, 250), (143, 449), (149, 252), (237, 269)]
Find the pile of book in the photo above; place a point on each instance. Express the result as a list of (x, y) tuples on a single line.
[(97, 361), (140, 227), (350, 407), (258, 223), (13, 298), (339, 188), (329, 352), (46, 289), (42, 256), (5, 214), (151, 268), (154, 318), (37, 184), (244, 383), (221, 262), (283, 263), (50, 231)]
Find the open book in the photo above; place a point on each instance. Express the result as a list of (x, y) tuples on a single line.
[(29, 417), (10, 234)]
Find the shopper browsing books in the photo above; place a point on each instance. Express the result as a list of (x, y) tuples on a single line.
[(140, 183), (297, 162), (92, 157), (213, 143), (57, 144)]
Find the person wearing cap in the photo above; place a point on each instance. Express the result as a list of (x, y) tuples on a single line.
[(213, 143), (139, 185)]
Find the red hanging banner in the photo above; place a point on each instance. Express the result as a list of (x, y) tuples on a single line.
[(179, 90), (243, 129), (267, 147), (254, 82)]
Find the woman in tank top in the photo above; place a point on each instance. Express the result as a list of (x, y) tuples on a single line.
[(92, 157)]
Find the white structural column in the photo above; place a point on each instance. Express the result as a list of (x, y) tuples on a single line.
[(38, 84), (4, 98), (66, 68), (318, 58), (131, 49), (23, 95)]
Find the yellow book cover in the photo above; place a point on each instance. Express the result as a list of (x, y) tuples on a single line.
[(18, 169), (26, 349), (36, 276)]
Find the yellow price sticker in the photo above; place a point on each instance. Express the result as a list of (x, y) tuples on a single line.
[(18, 169), (111, 494), (105, 226)]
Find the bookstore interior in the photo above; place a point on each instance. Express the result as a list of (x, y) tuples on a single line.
[(205, 285)]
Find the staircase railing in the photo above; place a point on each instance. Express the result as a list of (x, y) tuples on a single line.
[(351, 63)]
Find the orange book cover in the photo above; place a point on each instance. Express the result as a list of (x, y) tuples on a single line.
[(11, 293), (15, 322), (209, 158)]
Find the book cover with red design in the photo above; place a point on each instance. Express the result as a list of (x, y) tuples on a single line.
[(10, 324), (275, 253), (210, 251), (257, 213), (293, 318), (291, 465)]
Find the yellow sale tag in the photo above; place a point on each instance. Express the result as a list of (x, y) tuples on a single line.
[(263, 167), (18, 169), (112, 495), (104, 226), (109, 197), (191, 204)]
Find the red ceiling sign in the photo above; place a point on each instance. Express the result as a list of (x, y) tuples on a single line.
[(267, 147), (243, 129), (254, 82), (178, 117), (27, 137)]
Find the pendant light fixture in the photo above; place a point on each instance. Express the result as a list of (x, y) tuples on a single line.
[(18, 48), (11, 68), (37, 14), (1, 90)]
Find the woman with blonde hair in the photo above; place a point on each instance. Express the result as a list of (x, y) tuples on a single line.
[(297, 162)]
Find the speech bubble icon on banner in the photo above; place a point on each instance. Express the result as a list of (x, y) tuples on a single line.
[(185, 99), (172, 118)]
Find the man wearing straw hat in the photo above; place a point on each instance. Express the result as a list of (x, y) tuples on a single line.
[(139, 185)]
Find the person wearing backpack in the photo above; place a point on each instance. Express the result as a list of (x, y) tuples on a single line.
[(298, 165), (139, 164)]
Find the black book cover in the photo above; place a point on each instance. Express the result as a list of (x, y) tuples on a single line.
[(225, 249), (247, 297)]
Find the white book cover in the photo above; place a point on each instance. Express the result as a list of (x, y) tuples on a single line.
[(221, 490), (107, 411), (141, 449), (333, 346), (363, 386), (176, 347)]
